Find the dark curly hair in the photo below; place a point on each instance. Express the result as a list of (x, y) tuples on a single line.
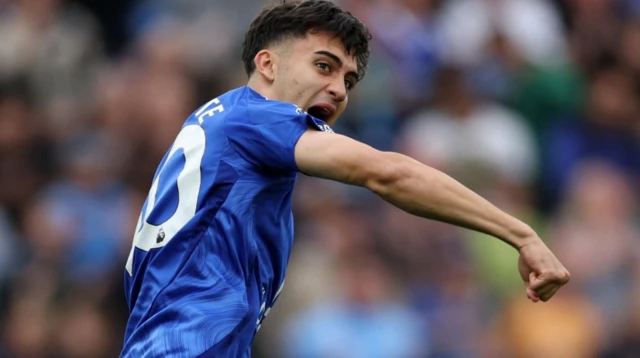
[(295, 19)]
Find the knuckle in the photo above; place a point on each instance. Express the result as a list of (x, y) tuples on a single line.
[(562, 276)]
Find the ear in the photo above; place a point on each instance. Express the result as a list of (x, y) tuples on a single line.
[(266, 64)]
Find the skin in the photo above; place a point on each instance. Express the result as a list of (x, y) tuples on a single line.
[(317, 71), (307, 72)]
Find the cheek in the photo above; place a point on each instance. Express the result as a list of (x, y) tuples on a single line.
[(300, 80)]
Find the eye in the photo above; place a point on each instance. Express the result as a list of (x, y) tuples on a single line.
[(324, 66), (348, 84)]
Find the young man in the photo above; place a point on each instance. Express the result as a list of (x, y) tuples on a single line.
[(213, 240)]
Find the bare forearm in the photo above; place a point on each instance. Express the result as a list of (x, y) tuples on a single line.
[(429, 193)]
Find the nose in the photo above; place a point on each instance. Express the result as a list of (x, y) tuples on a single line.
[(338, 91)]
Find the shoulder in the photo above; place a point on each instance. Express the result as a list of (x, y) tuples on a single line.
[(244, 108), (267, 111), (254, 109)]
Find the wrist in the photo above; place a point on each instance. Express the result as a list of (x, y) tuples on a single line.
[(521, 236)]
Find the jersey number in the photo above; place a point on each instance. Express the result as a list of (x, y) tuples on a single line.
[(158, 230)]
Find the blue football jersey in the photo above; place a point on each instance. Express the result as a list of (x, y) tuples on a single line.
[(214, 236)]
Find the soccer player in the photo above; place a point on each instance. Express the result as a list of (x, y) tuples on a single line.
[(211, 247)]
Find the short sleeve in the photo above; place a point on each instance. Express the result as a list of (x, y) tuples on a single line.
[(268, 140)]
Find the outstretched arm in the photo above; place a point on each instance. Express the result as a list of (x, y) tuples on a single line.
[(429, 193)]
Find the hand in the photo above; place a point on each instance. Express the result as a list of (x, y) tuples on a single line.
[(541, 271)]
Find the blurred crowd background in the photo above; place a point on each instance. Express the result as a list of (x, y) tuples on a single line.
[(532, 103)]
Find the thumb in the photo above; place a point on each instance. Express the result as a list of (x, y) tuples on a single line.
[(530, 291), (535, 281)]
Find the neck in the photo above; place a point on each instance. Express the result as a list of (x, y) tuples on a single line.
[(269, 91), (260, 87)]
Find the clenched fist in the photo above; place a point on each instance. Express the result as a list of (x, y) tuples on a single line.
[(541, 271)]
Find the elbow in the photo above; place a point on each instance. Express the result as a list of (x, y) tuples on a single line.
[(390, 170)]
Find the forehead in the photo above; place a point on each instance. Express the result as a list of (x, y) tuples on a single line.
[(315, 42)]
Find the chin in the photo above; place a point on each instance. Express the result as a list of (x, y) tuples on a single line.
[(331, 121)]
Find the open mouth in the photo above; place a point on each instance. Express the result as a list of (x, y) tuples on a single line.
[(321, 112)]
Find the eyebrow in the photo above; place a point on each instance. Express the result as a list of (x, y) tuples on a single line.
[(337, 60)]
